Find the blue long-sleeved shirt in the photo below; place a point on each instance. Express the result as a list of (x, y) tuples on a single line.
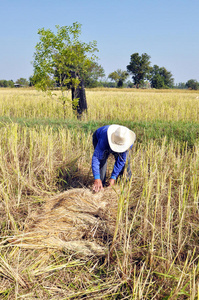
[(102, 151)]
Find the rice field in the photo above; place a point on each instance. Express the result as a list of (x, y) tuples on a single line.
[(105, 104), (150, 233)]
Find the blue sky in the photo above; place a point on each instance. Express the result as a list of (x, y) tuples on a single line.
[(168, 31)]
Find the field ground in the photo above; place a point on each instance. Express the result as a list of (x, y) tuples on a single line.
[(146, 231)]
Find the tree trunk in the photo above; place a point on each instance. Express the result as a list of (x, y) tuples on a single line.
[(79, 93)]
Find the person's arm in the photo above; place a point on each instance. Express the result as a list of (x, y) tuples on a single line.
[(96, 162), (119, 165), (100, 151), (97, 186)]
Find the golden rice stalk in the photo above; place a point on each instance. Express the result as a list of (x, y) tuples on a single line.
[(76, 220), (9, 272)]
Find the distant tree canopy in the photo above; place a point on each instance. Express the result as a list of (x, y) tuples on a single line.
[(23, 82), (139, 67), (62, 60), (141, 70), (180, 85), (119, 77), (161, 78), (6, 83), (94, 73), (192, 84)]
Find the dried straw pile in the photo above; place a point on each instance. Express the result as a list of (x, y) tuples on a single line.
[(76, 220)]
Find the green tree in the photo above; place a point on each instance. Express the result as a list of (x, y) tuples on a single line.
[(11, 83), (157, 82), (192, 84), (31, 81), (23, 82), (6, 83), (3, 83), (119, 77), (129, 84), (107, 84), (139, 67), (62, 60), (94, 73), (180, 85), (161, 78)]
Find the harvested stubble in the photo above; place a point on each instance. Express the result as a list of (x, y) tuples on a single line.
[(76, 220)]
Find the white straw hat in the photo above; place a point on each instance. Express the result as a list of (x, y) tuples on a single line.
[(120, 138)]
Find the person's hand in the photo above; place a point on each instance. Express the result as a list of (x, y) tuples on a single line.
[(97, 186), (111, 182)]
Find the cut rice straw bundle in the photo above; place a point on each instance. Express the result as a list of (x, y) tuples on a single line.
[(76, 220)]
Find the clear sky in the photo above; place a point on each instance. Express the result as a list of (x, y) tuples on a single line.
[(167, 30)]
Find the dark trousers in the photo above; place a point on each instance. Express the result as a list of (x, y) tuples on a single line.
[(103, 163)]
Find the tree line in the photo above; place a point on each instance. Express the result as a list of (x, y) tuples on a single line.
[(62, 61), (118, 79), (142, 73), (22, 82)]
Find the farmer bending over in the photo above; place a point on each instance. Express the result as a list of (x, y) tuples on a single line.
[(115, 139)]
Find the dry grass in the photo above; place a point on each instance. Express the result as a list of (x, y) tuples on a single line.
[(76, 220), (136, 241), (105, 104)]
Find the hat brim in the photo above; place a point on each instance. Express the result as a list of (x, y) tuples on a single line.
[(130, 139)]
